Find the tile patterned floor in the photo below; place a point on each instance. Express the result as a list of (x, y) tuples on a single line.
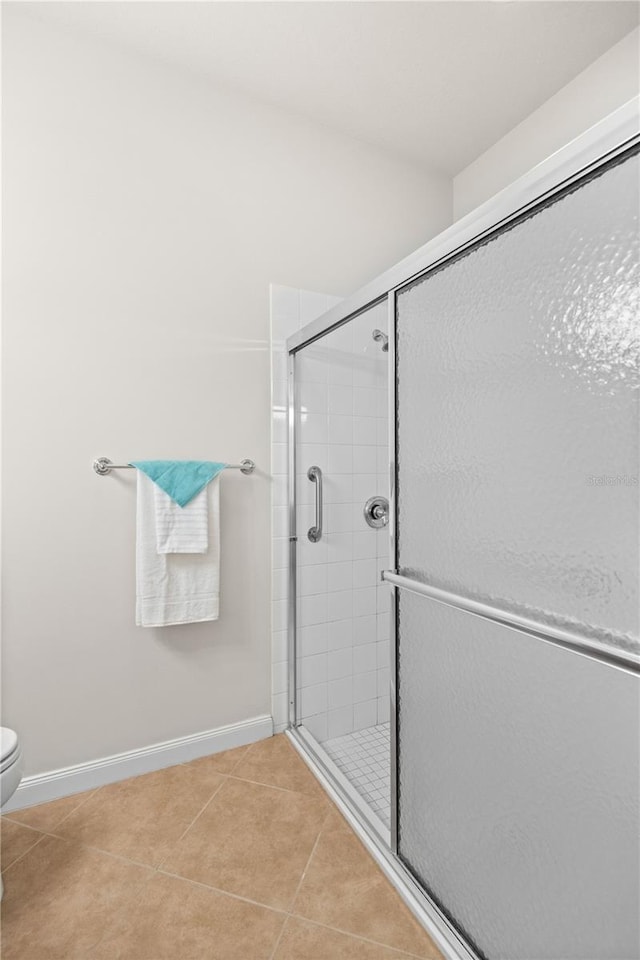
[(237, 856), (364, 758)]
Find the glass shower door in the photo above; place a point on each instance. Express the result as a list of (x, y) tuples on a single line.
[(342, 608), (517, 603)]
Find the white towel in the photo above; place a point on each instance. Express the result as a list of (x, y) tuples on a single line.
[(175, 588), (181, 529)]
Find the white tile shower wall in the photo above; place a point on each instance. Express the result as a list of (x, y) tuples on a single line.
[(290, 310), (343, 609)]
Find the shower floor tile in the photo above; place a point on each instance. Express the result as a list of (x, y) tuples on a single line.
[(364, 758)]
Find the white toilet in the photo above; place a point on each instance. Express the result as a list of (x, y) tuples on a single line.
[(10, 764), (10, 769)]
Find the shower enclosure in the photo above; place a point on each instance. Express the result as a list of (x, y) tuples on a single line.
[(463, 625)]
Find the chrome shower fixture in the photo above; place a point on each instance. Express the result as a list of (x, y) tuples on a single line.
[(382, 338)]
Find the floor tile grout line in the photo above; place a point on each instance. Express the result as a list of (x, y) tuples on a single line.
[(300, 882), (226, 893), (138, 894), (224, 773), (272, 786), (309, 859), (195, 819), (25, 826), (246, 753), (107, 853), (92, 793), (119, 856), (279, 937), (8, 867), (378, 943)]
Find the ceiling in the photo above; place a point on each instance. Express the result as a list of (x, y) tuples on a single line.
[(434, 82)]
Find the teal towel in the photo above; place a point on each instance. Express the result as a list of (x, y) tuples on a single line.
[(182, 480)]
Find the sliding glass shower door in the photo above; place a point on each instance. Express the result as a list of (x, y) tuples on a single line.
[(517, 584)]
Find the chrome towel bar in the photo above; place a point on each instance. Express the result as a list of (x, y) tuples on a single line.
[(586, 646), (104, 466)]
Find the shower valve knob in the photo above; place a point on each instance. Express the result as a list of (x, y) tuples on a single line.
[(376, 512)]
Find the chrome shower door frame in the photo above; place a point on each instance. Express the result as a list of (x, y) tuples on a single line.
[(610, 137), (293, 556)]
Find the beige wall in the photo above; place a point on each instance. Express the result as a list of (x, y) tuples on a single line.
[(145, 214), (610, 81)]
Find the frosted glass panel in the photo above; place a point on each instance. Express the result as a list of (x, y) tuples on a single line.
[(518, 787), (518, 371), (518, 368)]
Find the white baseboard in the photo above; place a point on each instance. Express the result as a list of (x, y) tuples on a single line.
[(55, 784)]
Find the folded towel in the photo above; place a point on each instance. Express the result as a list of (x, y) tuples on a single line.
[(175, 588), (181, 511), (181, 479), (181, 529)]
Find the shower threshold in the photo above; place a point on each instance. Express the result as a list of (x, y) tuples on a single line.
[(341, 777)]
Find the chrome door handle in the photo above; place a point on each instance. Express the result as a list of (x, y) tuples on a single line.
[(315, 475)]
